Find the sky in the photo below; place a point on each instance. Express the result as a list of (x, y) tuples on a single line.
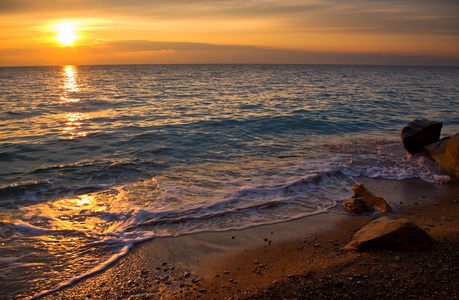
[(99, 32)]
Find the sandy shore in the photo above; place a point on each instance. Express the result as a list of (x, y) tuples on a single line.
[(295, 260)]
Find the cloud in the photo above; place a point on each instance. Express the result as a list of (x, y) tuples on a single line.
[(145, 45), (151, 52), (237, 30), (388, 15)]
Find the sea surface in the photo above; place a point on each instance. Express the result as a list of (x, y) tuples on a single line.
[(96, 158)]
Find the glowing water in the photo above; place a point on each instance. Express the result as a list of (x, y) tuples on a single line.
[(96, 158)]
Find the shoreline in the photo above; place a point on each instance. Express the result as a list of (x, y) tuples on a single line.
[(260, 262)]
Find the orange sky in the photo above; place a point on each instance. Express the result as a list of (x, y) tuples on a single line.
[(419, 32)]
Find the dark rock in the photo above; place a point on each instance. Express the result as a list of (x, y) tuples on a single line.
[(446, 153), (358, 205), (398, 234), (419, 133), (376, 201)]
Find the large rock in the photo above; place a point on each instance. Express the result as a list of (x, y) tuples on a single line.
[(358, 205), (419, 133), (400, 234), (446, 153), (376, 201)]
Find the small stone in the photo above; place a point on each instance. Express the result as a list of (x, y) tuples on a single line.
[(300, 248), (317, 245), (226, 272), (202, 290), (358, 205), (164, 263), (374, 200), (397, 258), (256, 262), (400, 234), (187, 274), (419, 133)]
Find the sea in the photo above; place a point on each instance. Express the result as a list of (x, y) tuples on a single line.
[(94, 159)]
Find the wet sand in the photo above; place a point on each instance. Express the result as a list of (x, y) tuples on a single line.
[(296, 259)]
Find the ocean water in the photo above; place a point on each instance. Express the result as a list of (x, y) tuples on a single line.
[(96, 158)]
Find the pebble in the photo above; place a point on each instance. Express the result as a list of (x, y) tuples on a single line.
[(256, 262), (187, 274), (226, 272), (397, 258), (317, 245)]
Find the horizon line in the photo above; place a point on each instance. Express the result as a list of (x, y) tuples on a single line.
[(197, 64)]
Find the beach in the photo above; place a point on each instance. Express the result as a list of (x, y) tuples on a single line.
[(297, 259)]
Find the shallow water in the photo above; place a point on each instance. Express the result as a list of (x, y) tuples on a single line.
[(96, 158)]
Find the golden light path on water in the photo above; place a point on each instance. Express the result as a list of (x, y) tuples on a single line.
[(69, 86), (69, 94)]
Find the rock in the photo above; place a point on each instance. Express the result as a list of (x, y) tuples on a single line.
[(358, 205), (446, 153), (398, 234), (419, 133), (376, 201)]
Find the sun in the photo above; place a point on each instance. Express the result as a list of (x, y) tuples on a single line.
[(66, 33)]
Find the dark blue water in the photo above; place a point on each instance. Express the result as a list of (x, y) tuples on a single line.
[(96, 158)]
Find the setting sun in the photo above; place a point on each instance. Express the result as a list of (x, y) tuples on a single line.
[(66, 34)]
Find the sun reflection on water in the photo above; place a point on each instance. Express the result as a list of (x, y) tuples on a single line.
[(73, 121), (69, 86), (73, 127)]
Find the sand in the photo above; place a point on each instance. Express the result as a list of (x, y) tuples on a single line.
[(300, 259)]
